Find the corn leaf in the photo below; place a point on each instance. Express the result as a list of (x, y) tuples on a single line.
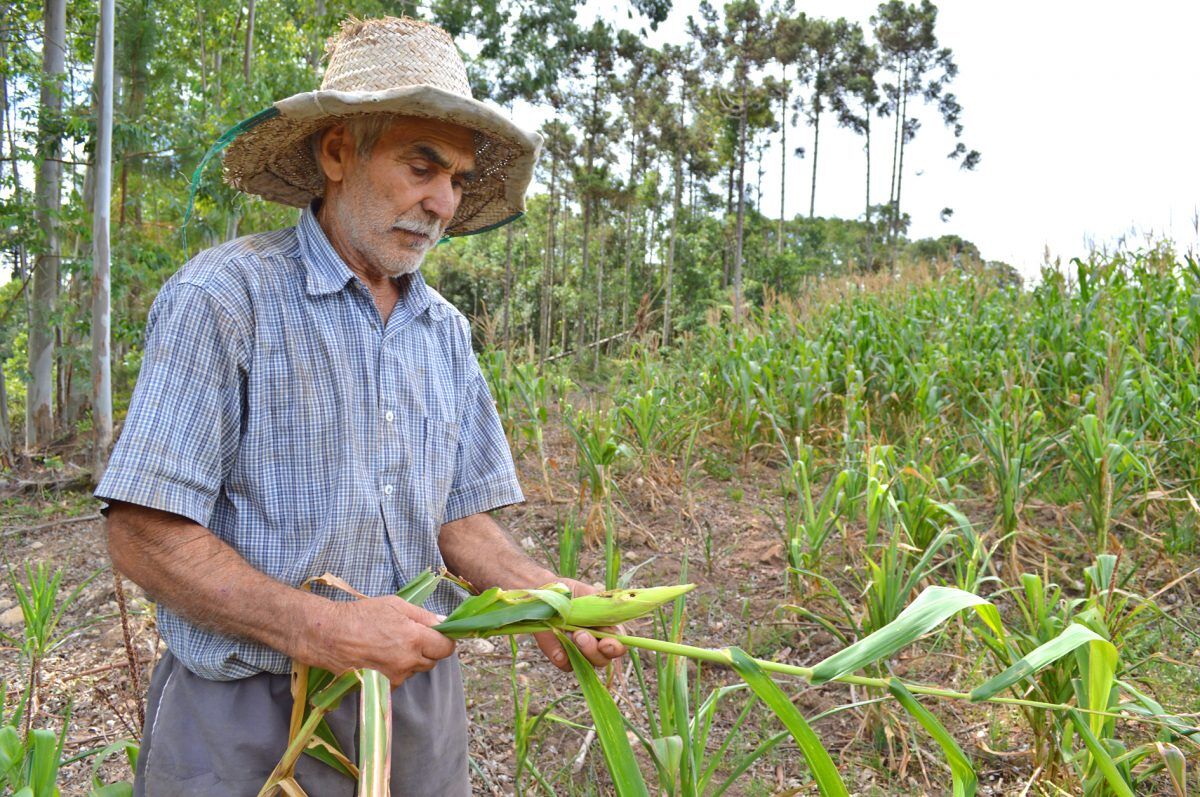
[(374, 735), (1101, 757), (491, 619), (1176, 766), (610, 726), (824, 771), (961, 771), (931, 608), (1065, 643)]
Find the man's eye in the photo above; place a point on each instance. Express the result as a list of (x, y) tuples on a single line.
[(419, 171)]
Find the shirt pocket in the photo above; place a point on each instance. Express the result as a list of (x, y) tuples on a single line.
[(439, 458)]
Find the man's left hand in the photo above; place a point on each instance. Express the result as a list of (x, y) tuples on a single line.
[(600, 652)]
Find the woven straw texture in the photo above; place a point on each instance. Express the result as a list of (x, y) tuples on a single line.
[(398, 66)]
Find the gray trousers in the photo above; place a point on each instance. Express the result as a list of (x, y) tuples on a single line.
[(222, 738)]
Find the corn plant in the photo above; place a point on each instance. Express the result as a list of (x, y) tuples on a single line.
[(1104, 468), (570, 539), (43, 604), (1015, 452), (809, 521), (597, 450), (29, 766), (504, 613)]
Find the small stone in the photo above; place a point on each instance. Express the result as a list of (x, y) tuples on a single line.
[(476, 647), (37, 545), (528, 544), (12, 617), (5, 604)]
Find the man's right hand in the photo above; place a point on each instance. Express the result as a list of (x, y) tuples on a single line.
[(387, 634)]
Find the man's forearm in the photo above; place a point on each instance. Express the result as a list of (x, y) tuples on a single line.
[(188, 569), (478, 549)]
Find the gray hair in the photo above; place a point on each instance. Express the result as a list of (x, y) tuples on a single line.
[(366, 130)]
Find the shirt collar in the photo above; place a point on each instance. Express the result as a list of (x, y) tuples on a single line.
[(328, 273)]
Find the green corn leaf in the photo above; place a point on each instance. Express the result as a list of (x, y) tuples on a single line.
[(556, 600), (43, 762), (506, 614), (12, 751), (610, 726), (475, 604), (824, 771), (324, 747), (113, 790), (931, 608), (1101, 757), (961, 771), (1072, 637), (374, 735), (1176, 766), (420, 588)]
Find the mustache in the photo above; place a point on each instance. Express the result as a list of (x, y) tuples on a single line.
[(430, 229)]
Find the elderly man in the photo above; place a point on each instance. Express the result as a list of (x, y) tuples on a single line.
[(307, 405)]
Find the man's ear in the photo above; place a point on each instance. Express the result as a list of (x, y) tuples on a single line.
[(335, 148)]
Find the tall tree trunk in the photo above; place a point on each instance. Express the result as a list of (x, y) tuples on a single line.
[(900, 167), (589, 162), (39, 402), (248, 50), (102, 412), (741, 206), (628, 234), (507, 319), (676, 205), (783, 159), (6, 444), (548, 265), (867, 214), (812, 199), (603, 233), (314, 53), (727, 244)]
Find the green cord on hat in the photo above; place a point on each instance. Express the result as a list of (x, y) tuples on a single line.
[(221, 143)]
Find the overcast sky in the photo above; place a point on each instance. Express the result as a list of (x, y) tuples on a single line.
[(1087, 115)]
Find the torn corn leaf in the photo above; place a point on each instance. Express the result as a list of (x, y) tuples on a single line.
[(504, 612)]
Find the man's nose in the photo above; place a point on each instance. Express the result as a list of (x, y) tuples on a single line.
[(442, 198)]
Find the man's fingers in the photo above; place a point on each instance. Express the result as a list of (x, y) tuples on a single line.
[(416, 613), (590, 649), (553, 650)]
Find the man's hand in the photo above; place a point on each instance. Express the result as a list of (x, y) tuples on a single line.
[(476, 548), (387, 634), (598, 651)]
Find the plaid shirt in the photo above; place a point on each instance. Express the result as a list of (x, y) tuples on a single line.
[(275, 409)]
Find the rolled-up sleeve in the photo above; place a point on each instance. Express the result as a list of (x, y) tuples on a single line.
[(180, 437), (485, 477)]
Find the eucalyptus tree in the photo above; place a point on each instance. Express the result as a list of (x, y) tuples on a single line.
[(676, 140), (102, 418), (39, 406), (909, 50), (559, 150), (591, 94)]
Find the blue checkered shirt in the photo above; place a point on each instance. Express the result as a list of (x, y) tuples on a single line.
[(274, 408)]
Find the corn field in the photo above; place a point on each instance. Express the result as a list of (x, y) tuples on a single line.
[(981, 511)]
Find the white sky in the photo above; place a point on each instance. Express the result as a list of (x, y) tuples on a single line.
[(1087, 115)]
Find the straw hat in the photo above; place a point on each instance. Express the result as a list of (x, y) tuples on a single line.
[(397, 66)]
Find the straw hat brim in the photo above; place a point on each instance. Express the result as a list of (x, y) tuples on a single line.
[(274, 159)]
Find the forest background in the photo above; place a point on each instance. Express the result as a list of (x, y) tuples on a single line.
[(651, 212)]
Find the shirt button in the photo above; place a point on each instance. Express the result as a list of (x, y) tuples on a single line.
[(389, 416), (387, 489)]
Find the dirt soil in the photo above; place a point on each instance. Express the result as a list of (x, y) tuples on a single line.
[(735, 555)]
